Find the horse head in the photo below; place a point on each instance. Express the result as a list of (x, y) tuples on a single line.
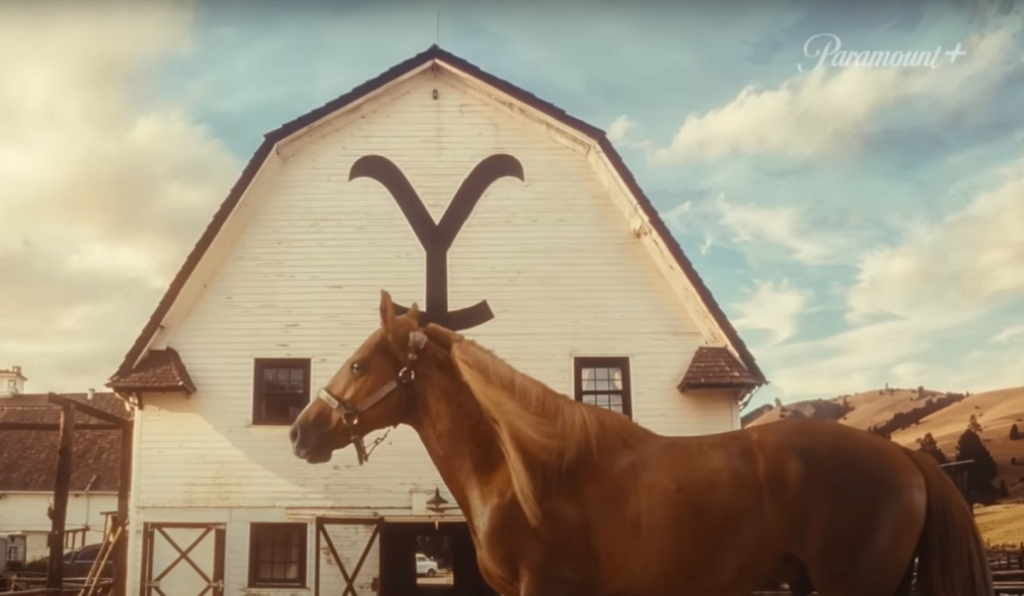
[(370, 391)]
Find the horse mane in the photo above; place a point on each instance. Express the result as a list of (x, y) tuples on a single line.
[(542, 433)]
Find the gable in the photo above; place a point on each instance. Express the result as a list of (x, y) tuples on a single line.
[(626, 212)]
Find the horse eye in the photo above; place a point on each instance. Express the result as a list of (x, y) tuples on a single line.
[(357, 368)]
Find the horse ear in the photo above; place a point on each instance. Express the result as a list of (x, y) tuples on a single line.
[(387, 311)]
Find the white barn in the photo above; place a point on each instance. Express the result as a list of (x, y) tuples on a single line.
[(562, 266)]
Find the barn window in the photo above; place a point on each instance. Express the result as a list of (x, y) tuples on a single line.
[(281, 390), (604, 382), (277, 555)]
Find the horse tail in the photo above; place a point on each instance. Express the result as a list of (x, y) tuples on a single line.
[(952, 560)]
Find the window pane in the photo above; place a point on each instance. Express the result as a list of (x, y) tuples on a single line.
[(616, 379), (588, 379)]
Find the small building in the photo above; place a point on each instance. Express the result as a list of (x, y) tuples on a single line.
[(554, 258), (28, 471), (12, 382)]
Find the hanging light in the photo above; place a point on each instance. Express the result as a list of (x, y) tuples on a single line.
[(437, 502)]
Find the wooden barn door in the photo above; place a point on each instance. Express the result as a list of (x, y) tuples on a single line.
[(182, 559), (346, 556)]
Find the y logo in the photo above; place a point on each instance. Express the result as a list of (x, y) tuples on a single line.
[(437, 238)]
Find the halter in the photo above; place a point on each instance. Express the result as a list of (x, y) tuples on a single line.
[(350, 412)]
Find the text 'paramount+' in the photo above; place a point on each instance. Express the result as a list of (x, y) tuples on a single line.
[(826, 48)]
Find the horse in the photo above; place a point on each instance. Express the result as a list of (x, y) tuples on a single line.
[(564, 498)]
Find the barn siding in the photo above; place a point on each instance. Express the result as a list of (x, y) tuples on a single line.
[(554, 256), (27, 512)]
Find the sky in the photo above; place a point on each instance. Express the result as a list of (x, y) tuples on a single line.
[(847, 178)]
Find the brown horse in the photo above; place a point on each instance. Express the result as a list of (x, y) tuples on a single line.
[(563, 498)]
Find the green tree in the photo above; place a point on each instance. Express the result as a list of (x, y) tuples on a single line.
[(982, 472), (1014, 433), (928, 444), (973, 424)]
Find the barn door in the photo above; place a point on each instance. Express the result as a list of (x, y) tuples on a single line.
[(183, 559), (346, 556)]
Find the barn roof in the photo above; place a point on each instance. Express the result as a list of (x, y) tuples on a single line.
[(133, 358), (28, 458), (715, 368), (159, 370)]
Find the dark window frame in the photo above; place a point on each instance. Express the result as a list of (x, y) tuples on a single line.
[(259, 397), (255, 581), (620, 362)]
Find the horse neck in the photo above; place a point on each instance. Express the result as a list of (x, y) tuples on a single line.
[(458, 438)]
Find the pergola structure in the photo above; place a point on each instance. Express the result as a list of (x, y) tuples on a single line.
[(67, 427)]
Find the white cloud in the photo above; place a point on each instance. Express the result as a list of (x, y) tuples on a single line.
[(1009, 334), (824, 111), (619, 127), (775, 308), (104, 193), (778, 225), (858, 359), (971, 261), (619, 133), (934, 285)]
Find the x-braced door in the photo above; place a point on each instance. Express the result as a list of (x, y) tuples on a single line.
[(182, 559), (344, 549)]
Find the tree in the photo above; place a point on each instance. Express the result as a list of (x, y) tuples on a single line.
[(778, 403), (1014, 433), (982, 472), (928, 444), (973, 424)]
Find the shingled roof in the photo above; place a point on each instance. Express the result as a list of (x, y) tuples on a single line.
[(28, 458), (159, 370), (716, 368), (131, 362)]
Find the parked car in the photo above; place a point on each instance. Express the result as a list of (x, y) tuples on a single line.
[(77, 563), (425, 565)]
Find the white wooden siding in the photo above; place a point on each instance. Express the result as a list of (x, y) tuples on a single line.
[(26, 512)]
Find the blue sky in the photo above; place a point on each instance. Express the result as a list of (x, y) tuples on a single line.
[(860, 225)]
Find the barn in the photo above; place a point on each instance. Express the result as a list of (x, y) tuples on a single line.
[(502, 216)]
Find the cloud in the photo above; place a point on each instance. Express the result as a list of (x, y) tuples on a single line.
[(778, 225), (619, 133), (104, 190), (857, 359), (775, 308), (916, 306), (827, 111), (1007, 335), (971, 261), (619, 127)]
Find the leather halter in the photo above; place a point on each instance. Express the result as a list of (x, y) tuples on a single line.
[(350, 412)]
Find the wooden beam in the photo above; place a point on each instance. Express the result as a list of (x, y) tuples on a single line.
[(123, 488), (44, 426), (89, 410), (58, 514)]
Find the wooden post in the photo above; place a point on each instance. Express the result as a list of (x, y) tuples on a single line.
[(121, 546), (55, 566)]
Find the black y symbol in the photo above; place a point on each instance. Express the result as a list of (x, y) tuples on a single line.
[(437, 238)]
